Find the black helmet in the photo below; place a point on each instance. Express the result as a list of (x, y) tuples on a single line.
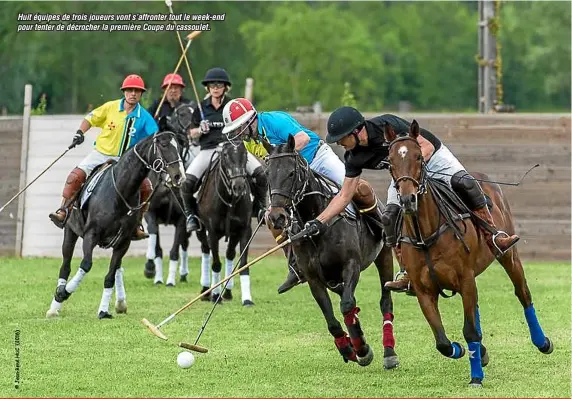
[(216, 75), (342, 122)]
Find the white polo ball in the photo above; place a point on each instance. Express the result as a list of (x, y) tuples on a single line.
[(185, 360)]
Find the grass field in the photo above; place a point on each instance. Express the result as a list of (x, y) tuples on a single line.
[(278, 348)]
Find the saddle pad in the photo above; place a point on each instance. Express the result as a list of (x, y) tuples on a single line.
[(91, 184), (350, 209)]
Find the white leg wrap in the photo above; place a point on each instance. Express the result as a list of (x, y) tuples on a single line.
[(158, 270), (228, 271), (245, 288), (75, 281), (172, 272), (119, 286), (216, 280), (105, 299), (206, 270), (151, 243), (184, 266)]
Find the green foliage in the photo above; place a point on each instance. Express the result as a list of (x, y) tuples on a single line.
[(41, 108), (348, 98), (147, 99), (298, 53)]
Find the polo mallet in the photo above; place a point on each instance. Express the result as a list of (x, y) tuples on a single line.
[(155, 329), (37, 177), (492, 181), (190, 38), (169, 4), (202, 329)]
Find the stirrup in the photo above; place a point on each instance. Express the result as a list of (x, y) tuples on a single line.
[(61, 224), (198, 221), (500, 251), (399, 275), (296, 274)]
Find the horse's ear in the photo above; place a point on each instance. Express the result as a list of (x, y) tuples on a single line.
[(163, 124), (414, 129), (291, 143), (267, 146), (388, 133)]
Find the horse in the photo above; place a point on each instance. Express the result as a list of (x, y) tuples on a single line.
[(105, 213), (443, 248), (333, 260), (225, 210), (166, 208)]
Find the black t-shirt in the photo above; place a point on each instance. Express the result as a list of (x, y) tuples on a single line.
[(374, 155), (166, 109), (214, 116)]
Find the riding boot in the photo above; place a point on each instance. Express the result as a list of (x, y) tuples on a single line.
[(260, 192), (145, 191), (295, 276), (389, 221), (190, 203), (498, 241), (74, 181)]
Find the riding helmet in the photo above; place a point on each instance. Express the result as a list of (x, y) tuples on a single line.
[(216, 75), (342, 122)]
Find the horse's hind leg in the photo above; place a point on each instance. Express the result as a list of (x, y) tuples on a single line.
[(152, 244), (109, 282), (205, 263), (180, 232), (184, 265), (513, 267), (472, 329), (350, 311), (68, 245), (384, 265), (158, 261), (341, 339), (216, 267), (229, 265)]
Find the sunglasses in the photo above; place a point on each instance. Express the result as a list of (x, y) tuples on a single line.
[(216, 85)]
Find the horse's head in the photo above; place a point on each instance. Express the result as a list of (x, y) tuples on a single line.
[(406, 166), (233, 166), (162, 155), (180, 122), (287, 177)]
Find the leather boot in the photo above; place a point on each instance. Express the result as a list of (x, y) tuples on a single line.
[(188, 190), (74, 181), (294, 277), (260, 192), (500, 241), (145, 191)]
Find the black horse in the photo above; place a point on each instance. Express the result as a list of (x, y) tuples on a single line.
[(334, 259), (225, 210), (109, 215), (166, 207)]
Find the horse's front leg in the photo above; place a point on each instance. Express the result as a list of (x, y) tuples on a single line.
[(384, 265), (109, 282), (245, 274), (180, 233), (350, 311), (205, 262), (184, 243), (472, 329), (229, 265), (216, 267), (68, 245), (341, 339), (153, 247)]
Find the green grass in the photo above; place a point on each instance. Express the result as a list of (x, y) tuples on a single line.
[(279, 348)]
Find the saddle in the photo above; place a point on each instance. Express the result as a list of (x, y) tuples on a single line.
[(91, 182)]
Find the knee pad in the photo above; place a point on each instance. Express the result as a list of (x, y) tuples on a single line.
[(364, 196), (145, 189), (73, 182), (468, 189)]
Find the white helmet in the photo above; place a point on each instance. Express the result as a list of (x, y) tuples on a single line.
[(237, 113)]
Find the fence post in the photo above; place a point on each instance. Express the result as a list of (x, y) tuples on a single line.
[(23, 167), (248, 89)]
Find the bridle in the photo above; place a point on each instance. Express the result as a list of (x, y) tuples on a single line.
[(226, 179), (420, 183)]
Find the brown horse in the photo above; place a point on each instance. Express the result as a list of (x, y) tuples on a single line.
[(443, 247)]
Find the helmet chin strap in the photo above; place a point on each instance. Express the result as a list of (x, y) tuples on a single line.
[(356, 137)]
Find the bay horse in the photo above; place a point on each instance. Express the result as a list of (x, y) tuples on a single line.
[(333, 260), (443, 247), (108, 216), (166, 207), (225, 210)]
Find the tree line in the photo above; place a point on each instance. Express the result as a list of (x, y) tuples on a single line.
[(298, 53)]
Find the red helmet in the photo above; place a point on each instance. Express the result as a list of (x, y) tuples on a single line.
[(133, 82), (237, 113), (174, 79)]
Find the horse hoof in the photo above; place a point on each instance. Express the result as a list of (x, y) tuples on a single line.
[(104, 315), (367, 359), (247, 303), (390, 362), (183, 278), (227, 295), (170, 285), (158, 282), (548, 347), (215, 299), (50, 314), (61, 293), (476, 383), (206, 297), (485, 359), (149, 270), (121, 307)]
